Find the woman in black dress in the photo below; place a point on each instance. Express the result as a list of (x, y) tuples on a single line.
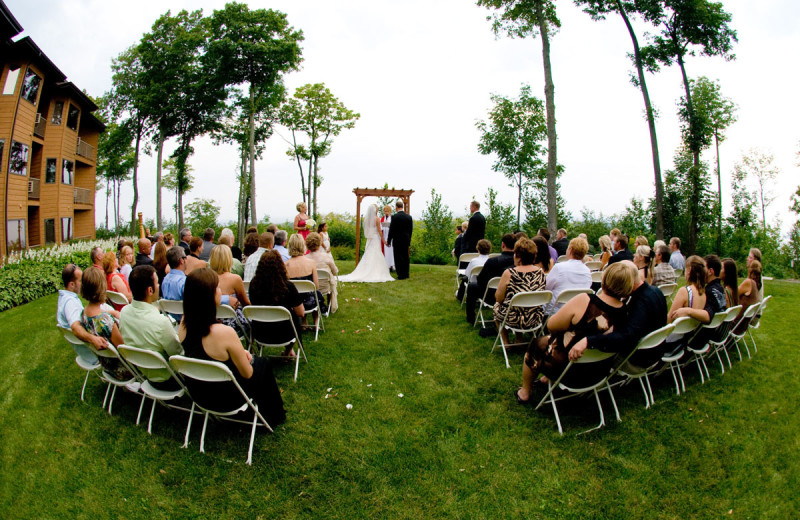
[(204, 337)]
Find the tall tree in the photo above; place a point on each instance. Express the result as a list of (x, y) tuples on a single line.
[(598, 9), (717, 114), (518, 19), (759, 166), (316, 112), (689, 27), (514, 132), (253, 48), (178, 178)]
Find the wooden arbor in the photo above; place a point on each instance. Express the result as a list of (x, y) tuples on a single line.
[(404, 195)]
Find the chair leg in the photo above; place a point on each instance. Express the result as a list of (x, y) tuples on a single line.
[(252, 438), (188, 427), (152, 412), (721, 364), (680, 374), (703, 360), (702, 376), (748, 348), (141, 405), (111, 402), (736, 344), (602, 415), (85, 380), (555, 409), (646, 397), (613, 401), (725, 350), (675, 378), (203, 435), (297, 361), (650, 389), (105, 399)]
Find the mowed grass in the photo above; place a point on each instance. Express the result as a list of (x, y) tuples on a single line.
[(455, 445)]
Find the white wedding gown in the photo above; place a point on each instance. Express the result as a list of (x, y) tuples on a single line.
[(372, 266)]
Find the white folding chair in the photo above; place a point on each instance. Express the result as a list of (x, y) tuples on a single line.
[(270, 314), (524, 300), (668, 290), (682, 331), (85, 365), (645, 359), (171, 306), (594, 265), (304, 287), (699, 352), (475, 272), (461, 268), (131, 383), (678, 273), (226, 312), (216, 372), (561, 258), (597, 276), (568, 294), (482, 303), (587, 259), (116, 298), (141, 359), (741, 327), (324, 274), (723, 334), (247, 288), (755, 323)]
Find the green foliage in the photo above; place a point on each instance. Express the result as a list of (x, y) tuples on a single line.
[(499, 219), (518, 19), (594, 225), (437, 232), (201, 214), (30, 280), (536, 207), (636, 220)]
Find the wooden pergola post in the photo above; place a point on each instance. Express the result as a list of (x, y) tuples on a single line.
[(404, 195)]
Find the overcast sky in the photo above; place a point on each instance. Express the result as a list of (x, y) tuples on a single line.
[(420, 73)]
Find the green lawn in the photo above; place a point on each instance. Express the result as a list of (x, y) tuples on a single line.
[(456, 445)]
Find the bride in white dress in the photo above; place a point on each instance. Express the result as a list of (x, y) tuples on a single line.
[(372, 267)]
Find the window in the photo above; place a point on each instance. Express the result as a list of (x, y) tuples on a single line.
[(66, 229), (49, 230), (11, 81), (58, 113), (50, 171), (30, 86), (66, 172), (16, 238), (18, 160), (2, 145), (72, 117)]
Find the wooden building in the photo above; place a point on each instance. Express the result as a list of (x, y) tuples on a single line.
[(48, 147)]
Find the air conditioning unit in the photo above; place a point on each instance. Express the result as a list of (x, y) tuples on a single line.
[(30, 187)]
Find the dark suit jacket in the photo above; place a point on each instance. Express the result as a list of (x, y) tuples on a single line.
[(143, 259), (185, 247), (400, 230), (647, 311), (561, 246), (476, 229), (494, 267), (625, 254)]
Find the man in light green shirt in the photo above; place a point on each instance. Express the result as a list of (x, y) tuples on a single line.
[(142, 326)]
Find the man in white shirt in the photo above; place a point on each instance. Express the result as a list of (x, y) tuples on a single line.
[(265, 241), (484, 247), (70, 310), (569, 274)]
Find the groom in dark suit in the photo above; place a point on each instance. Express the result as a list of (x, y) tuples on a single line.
[(475, 229), (400, 239)]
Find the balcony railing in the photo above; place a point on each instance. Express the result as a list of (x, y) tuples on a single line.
[(33, 188), (84, 149), (38, 127), (83, 196)]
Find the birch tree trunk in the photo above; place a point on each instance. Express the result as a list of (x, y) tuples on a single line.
[(252, 152), (550, 106), (134, 227), (158, 179)]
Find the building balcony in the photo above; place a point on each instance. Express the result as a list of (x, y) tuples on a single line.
[(33, 188), (83, 196), (84, 149), (39, 126)]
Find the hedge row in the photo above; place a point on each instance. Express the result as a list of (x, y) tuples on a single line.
[(29, 280)]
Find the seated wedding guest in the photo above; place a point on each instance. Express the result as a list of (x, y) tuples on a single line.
[(143, 257), (583, 236), (70, 312), (299, 267), (97, 256), (174, 282), (271, 286), (160, 261), (493, 267), (157, 238), (570, 274), (265, 242), (677, 260), (646, 311), (730, 282), (142, 326), (461, 251), (322, 229), (250, 246), (659, 244), (605, 249), (126, 261), (640, 241), (186, 237), (643, 259), (749, 291), (755, 254), (230, 285), (584, 315), (663, 273), (114, 280), (457, 244), (203, 337), (544, 233), (484, 247), (236, 266), (169, 240), (561, 243), (208, 244), (543, 257), (280, 244), (524, 276), (193, 261), (227, 234), (621, 251), (101, 322), (272, 228), (693, 295), (325, 262), (715, 299)]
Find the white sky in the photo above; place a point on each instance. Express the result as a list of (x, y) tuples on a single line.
[(421, 73)]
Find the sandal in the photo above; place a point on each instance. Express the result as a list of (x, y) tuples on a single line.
[(519, 399)]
